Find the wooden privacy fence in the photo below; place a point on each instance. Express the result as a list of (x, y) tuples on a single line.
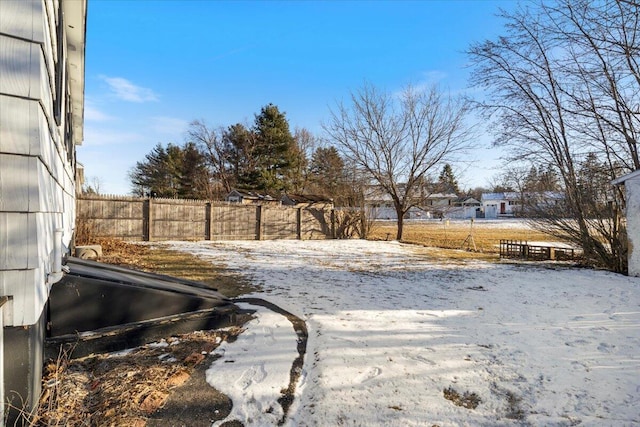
[(523, 250), (149, 219)]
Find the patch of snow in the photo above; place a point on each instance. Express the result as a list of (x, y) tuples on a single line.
[(167, 358), (254, 369), (122, 353), (390, 328), (553, 244), (159, 344)]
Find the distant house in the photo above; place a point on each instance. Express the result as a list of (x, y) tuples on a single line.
[(510, 203), (380, 205), (307, 200), (439, 200), (439, 205), (250, 198), (500, 205), (466, 201), (631, 184), (464, 207), (41, 123)]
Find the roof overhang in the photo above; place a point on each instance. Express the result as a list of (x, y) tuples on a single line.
[(627, 177), (75, 19)]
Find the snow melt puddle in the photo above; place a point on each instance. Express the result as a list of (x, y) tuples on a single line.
[(254, 369)]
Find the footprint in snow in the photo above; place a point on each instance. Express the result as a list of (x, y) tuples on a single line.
[(368, 375), (606, 348), (419, 358), (576, 343), (269, 336), (253, 375)]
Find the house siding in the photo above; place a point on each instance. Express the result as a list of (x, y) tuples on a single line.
[(41, 121), (632, 188), (37, 161)]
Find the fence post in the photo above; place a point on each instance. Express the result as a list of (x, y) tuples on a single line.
[(259, 222), (207, 221), (299, 223), (333, 223), (146, 219)]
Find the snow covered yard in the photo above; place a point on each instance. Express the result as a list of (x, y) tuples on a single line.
[(396, 338)]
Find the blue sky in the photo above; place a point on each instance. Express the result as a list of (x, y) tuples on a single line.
[(154, 66)]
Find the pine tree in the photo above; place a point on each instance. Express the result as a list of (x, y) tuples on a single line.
[(240, 148), (326, 172), (173, 171), (194, 176), (276, 152), (447, 181)]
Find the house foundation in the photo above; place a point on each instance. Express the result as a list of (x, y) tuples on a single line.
[(23, 351)]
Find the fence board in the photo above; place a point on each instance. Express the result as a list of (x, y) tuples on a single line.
[(230, 222), (315, 224), (279, 223)]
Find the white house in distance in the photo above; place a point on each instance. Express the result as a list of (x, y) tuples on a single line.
[(499, 205), (42, 45), (509, 204), (379, 205), (631, 184)]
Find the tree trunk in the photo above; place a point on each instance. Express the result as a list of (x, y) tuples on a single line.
[(400, 213)]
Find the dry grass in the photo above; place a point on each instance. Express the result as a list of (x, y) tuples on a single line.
[(159, 259), (452, 235), (107, 390)]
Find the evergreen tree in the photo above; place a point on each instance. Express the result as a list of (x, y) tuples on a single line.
[(548, 179), (541, 179), (240, 147), (194, 176), (326, 172), (173, 171), (153, 175), (276, 152), (447, 181)]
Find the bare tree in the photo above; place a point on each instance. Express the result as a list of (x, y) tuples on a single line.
[(93, 185), (561, 84), (306, 144), (399, 139), (211, 142)]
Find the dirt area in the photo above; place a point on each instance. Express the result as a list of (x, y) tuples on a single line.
[(161, 384)]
